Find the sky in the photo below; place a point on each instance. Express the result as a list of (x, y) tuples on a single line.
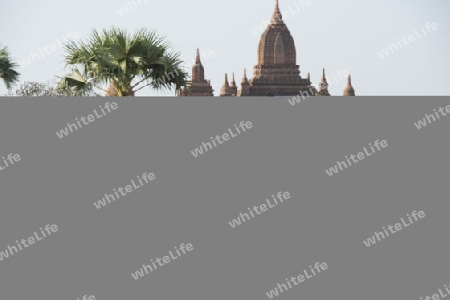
[(345, 36)]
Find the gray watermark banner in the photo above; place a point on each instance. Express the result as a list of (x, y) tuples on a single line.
[(218, 198)]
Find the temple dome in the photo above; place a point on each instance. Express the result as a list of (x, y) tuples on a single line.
[(276, 45)]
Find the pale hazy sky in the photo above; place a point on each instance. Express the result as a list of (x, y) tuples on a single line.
[(338, 35)]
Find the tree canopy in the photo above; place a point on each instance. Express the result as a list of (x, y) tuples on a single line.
[(128, 63)]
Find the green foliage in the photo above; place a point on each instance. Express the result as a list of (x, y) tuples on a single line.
[(7, 69), (38, 89), (128, 63)]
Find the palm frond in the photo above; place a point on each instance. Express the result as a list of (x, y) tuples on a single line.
[(116, 57), (8, 69)]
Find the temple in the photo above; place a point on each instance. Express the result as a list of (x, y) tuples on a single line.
[(198, 86), (276, 72)]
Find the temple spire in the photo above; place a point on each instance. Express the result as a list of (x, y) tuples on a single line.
[(244, 91), (277, 18), (233, 86), (349, 90), (198, 85), (225, 90), (244, 79), (198, 72), (323, 85), (197, 57)]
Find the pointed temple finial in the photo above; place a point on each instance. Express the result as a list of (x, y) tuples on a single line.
[(323, 85), (244, 78), (323, 81), (277, 18), (245, 85), (349, 90), (197, 58), (233, 87), (225, 90)]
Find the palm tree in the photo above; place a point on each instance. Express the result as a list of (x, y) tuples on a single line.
[(7, 69), (128, 63)]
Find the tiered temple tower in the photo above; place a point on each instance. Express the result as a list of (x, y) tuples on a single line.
[(198, 86), (277, 72)]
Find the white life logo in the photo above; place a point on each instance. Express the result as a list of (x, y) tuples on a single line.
[(85, 297)]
